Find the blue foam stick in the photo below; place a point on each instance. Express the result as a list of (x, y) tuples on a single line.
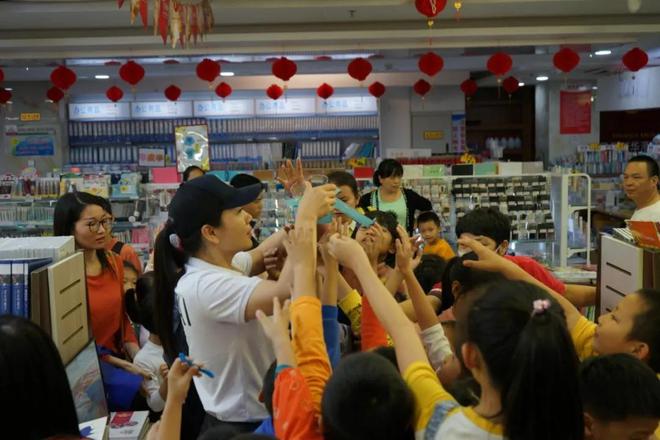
[(187, 361), (361, 219)]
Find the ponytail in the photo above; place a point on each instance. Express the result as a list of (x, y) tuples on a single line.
[(530, 359), (376, 179)]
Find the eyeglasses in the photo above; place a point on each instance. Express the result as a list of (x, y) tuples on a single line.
[(95, 225)]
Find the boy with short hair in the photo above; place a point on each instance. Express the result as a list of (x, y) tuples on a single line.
[(429, 224), (621, 398)]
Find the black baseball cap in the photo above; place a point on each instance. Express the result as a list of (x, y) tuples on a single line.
[(204, 198)]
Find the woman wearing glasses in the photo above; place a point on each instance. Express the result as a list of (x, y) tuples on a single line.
[(82, 215)]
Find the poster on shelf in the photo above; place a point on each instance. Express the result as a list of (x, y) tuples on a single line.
[(26, 141), (229, 107), (347, 105), (192, 146), (99, 111), (458, 143), (161, 109), (286, 107), (574, 112), (151, 157)]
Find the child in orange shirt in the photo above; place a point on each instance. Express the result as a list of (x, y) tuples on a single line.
[(428, 224)]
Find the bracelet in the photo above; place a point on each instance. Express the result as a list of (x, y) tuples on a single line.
[(281, 368)]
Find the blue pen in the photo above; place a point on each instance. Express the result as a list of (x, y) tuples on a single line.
[(187, 361)]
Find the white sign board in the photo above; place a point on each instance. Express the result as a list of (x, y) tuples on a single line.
[(229, 107), (161, 109), (286, 107), (90, 111), (347, 104)]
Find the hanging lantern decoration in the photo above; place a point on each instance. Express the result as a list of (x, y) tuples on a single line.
[(499, 64), (172, 92), (55, 94), (359, 69), (63, 78), (458, 4), (377, 89), (324, 91), (223, 90), (132, 73), (208, 70), (469, 88), (114, 94), (511, 85), (2, 75), (566, 60), (274, 92), (430, 9), (112, 63), (635, 59), (430, 63), (5, 96), (284, 69), (323, 58), (422, 87)]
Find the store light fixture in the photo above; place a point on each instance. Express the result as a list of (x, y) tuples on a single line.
[(542, 78), (521, 84), (594, 88), (602, 53), (9, 89), (27, 68), (226, 73), (102, 76)]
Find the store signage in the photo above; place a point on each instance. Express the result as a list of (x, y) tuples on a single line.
[(574, 112), (286, 107), (161, 109), (227, 108), (28, 117), (151, 157), (348, 104), (31, 141), (433, 135), (98, 111)]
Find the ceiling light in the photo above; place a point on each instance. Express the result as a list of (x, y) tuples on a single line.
[(27, 68), (521, 84), (226, 73), (542, 78), (594, 88), (601, 53), (102, 76), (9, 89)]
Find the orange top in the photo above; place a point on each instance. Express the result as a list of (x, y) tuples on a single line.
[(127, 254), (373, 333), (105, 296), (441, 248)]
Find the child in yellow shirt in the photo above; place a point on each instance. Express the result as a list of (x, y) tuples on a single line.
[(428, 224)]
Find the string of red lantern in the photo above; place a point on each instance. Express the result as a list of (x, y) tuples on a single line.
[(324, 91), (2, 75), (499, 64), (359, 69), (132, 73), (430, 63), (511, 85), (469, 88), (223, 90), (172, 93), (63, 78), (635, 59), (284, 69), (422, 87), (274, 92), (208, 70), (114, 94), (566, 60), (377, 89), (55, 94), (430, 9), (5, 96)]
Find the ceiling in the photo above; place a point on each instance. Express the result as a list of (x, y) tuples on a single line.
[(38, 34)]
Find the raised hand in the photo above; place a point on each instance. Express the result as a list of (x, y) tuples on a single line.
[(300, 246), (404, 251), (317, 201), (289, 176), (489, 260), (276, 327), (178, 380), (347, 251)]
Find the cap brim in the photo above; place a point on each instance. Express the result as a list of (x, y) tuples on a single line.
[(243, 196)]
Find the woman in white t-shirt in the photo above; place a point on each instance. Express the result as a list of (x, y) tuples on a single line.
[(199, 260)]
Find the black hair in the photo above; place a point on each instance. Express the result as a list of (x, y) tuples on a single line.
[(387, 168), (241, 180), (468, 278), (169, 262), (106, 205), (366, 398), (343, 178), (646, 325), (530, 359), (268, 388), (190, 169), (388, 353), (388, 220), (428, 216), (34, 389), (429, 271), (130, 266), (252, 436), (220, 432), (68, 210), (651, 165), (487, 222), (618, 386), (140, 303)]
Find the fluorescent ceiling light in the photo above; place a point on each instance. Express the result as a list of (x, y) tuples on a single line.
[(226, 73), (9, 89), (594, 88), (542, 78), (601, 53), (521, 84), (102, 76)]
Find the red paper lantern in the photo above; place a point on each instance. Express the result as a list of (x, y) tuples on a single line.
[(511, 84), (172, 92), (499, 64), (274, 92), (635, 59), (63, 77), (5, 96), (422, 87), (284, 69), (430, 8), (325, 91), (170, 61), (323, 58), (208, 70), (55, 94), (359, 69), (2, 75), (566, 60), (469, 87), (114, 94), (431, 63), (377, 89), (223, 90), (131, 72)]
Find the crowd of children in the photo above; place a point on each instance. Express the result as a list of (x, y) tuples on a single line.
[(355, 331)]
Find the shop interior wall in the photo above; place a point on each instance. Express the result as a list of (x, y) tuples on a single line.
[(29, 97), (623, 92)]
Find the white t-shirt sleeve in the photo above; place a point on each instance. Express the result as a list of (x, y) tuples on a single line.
[(437, 345), (225, 296), (242, 261), (152, 386)]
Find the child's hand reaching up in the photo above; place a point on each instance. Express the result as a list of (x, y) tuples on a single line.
[(404, 251), (347, 251), (277, 330), (316, 202)]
